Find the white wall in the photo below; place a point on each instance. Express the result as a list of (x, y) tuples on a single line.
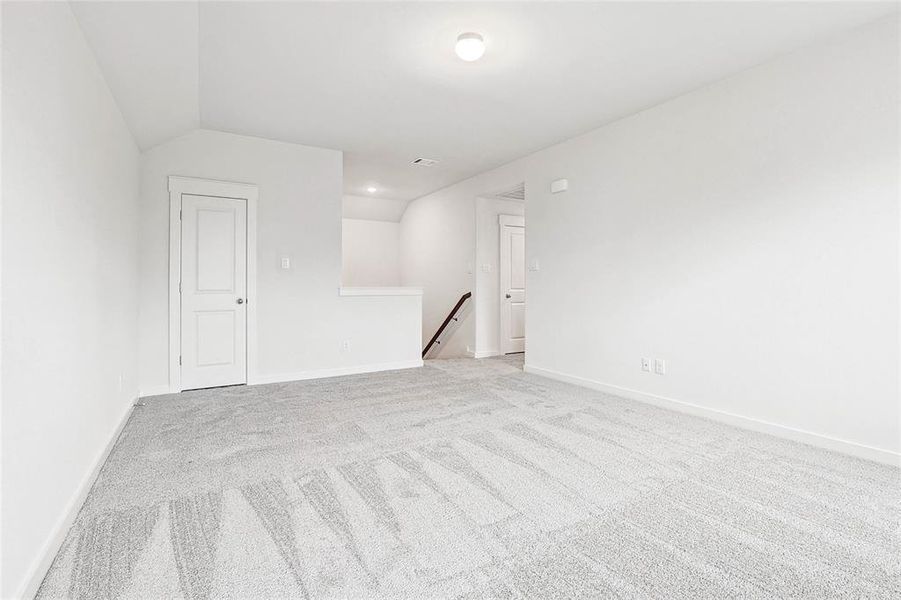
[(487, 273), (370, 253), (437, 252), (302, 321), (372, 208), (69, 296), (746, 232)]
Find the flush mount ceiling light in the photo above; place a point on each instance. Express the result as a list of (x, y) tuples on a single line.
[(470, 46), (371, 189)]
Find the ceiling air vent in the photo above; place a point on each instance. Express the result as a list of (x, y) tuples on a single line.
[(425, 162)]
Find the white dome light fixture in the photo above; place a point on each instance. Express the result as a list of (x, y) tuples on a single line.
[(470, 46), (372, 189)]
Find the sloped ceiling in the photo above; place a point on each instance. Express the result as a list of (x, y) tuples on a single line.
[(148, 52), (380, 81)]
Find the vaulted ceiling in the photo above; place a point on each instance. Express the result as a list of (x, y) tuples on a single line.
[(380, 81)]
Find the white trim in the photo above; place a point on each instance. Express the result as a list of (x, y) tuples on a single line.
[(211, 187), (338, 371), (470, 353), (783, 431), (157, 390), (54, 542), (511, 220), (380, 291), (221, 189)]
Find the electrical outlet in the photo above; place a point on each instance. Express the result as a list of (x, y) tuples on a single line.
[(660, 366), (345, 346), (646, 364)]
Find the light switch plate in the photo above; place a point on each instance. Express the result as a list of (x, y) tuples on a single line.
[(286, 262), (660, 366)]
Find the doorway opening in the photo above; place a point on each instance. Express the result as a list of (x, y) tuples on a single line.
[(500, 274)]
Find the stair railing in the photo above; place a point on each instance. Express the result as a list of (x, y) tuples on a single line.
[(451, 316)]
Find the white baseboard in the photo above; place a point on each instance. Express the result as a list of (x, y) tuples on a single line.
[(485, 353), (162, 390), (338, 371), (51, 546), (157, 390), (798, 435)]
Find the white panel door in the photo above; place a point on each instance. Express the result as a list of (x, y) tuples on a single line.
[(213, 291), (513, 284)]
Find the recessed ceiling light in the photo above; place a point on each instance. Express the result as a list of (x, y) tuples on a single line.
[(371, 189), (470, 46)]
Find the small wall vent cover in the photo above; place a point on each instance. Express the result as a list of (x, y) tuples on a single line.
[(425, 162), (516, 193)]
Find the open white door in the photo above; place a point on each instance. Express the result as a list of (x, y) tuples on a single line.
[(213, 291), (513, 283)]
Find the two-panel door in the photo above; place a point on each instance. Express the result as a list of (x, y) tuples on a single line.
[(213, 291), (513, 283)]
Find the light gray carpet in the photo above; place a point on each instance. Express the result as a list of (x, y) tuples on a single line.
[(470, 479)]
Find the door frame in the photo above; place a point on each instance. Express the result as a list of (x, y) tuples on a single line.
[(502, 221), (179, 185)]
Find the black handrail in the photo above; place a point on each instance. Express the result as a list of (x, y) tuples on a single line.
[(450, 316)]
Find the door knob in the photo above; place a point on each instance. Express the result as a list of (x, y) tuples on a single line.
[(508, 295), (240, 300)]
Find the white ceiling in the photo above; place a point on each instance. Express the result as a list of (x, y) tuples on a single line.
[(148, 54), (380, 81)]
